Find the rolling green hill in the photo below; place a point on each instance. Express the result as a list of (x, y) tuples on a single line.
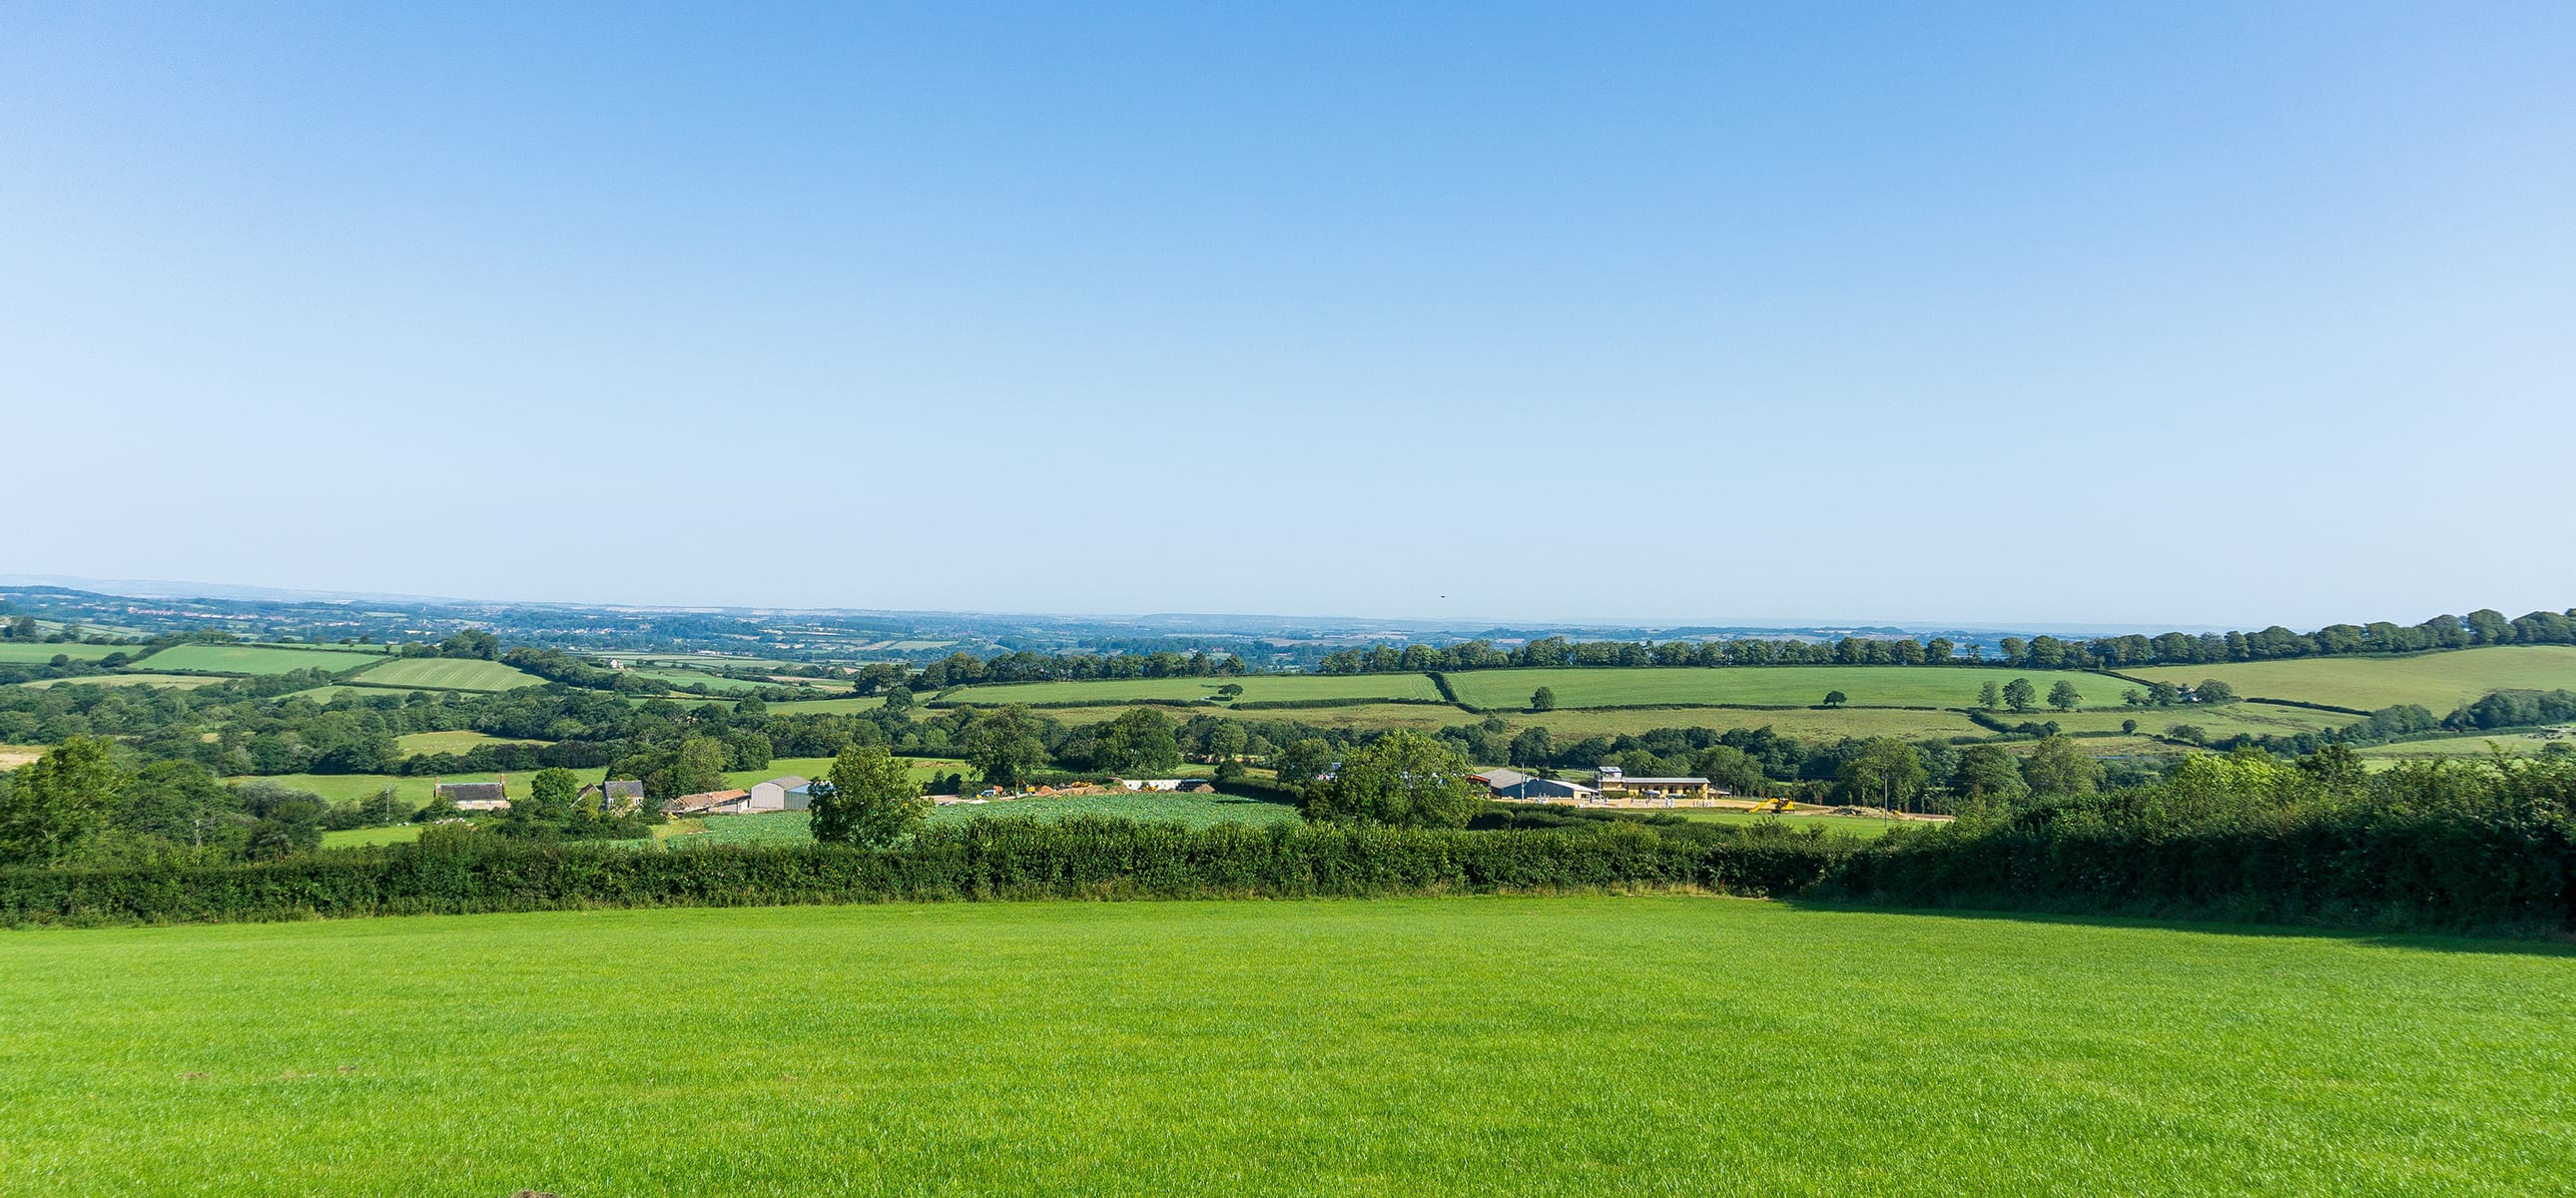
[(1572, 1046), (2439, 681)]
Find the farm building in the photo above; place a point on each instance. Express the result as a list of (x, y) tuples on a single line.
[(1515, 786), (474, 796), (1187, 785), (1616, 782), (784, 793), (616, 795), (712, 802)]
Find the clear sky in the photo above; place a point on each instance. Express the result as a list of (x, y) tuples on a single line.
[(2154, 314)]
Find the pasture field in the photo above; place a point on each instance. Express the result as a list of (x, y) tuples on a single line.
[(2472, 744), (1564, 725), (1419, 716), (922, 769), (448, 674), (13, 756), (259, 659), (1835, 825), (789, 707), (412, 790), (1889, 686), (355, 838), (2220, 719), (1556, 1046), (1198, 811), (17, 652), (694, 677), (413, 744), (183, 682), (2440, 681), (1261, 687)]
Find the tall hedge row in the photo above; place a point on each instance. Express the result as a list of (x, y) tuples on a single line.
[(987, 859)]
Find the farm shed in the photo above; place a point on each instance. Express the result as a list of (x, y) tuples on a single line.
[(1615, 781), (786, 792), (1515, 786), (712, 802)]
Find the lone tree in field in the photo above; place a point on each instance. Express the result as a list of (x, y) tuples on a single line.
[(1836, 698), (1989, 697), (869, 800), (2063, 697), (2019, 694), (2212, 690), (1543, 699), (1405, 779)]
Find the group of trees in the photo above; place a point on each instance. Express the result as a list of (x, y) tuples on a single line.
[(2482, 627), (80, 804)]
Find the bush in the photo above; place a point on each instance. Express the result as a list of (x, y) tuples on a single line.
[(454, 870)]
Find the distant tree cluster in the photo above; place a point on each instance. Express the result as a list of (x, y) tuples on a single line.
[(2478, 628)]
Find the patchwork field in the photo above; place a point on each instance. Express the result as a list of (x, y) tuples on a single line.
[(179, 681), (2474, 744), (922, 769), (1198, 811), (259, 659), (413, 744), (1662, 1045), (38, 652), (1564, 725), (1838, 825), (1420, 716), (2440, 681), (1895, 686), (413, 791), (842, 705), (449, 674), (1259, 687), (2219, 720)]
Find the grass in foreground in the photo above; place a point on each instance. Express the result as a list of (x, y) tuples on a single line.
[(1531, 1046)]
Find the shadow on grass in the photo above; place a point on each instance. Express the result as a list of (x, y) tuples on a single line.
[(2545, 944)]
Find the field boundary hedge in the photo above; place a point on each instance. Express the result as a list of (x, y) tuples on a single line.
[(982, 860)]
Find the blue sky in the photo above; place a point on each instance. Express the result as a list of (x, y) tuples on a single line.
[(2140, 315)]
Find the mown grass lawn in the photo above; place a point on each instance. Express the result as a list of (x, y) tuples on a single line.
[(1440, 1046)]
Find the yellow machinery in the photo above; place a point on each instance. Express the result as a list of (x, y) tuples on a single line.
[(1768, 806)]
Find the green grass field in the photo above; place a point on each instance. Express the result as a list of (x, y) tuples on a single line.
[(448, 674), (1839, 825), (257, 659), (922, 769), (1566, 725), (1198, 811), (2440, 681), (1892, 686), (1262, 687), (354, 838), (412, 744), (37, 652), (2473, 744), (842, 705), (1543, 1046), (180, 681), (413, 791), (2222, 719)]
